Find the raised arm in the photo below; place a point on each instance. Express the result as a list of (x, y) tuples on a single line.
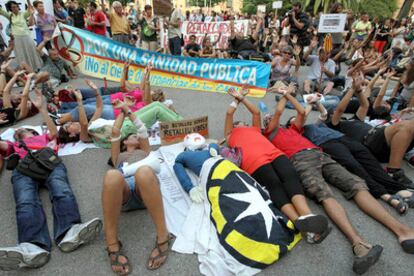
[(240, 97), (99, 102), (83, 120), (42, 45), (146, 85), (296, 51), (368, 89), (25, 95), (125, 86), (116, 138), (280, 108), (301, 112), (39, 101), (313, 45), (381, 94), (363, 101), (6, 93), (340, 109)]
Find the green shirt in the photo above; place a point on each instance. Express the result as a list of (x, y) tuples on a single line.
[(365, 26), (18, 22)]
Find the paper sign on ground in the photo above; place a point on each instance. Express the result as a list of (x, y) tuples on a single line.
[(174, 132)]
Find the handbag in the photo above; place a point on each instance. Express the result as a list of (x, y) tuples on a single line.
[(38, 164)]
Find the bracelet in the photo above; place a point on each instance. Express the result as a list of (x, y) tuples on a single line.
[(234, 104), (116, 138)]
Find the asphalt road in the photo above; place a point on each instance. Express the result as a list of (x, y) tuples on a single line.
[(86, 171)]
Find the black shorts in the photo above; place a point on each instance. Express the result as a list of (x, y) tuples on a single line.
[(377, 144)]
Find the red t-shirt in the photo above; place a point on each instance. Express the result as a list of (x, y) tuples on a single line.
[(290, 140), (256, 149), (97, 17)]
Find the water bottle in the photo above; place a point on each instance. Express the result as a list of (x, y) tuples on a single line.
[(263, 108)]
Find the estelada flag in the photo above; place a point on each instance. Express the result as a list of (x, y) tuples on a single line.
[(248, 226), (327, 43)]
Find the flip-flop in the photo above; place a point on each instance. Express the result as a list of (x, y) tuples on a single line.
[(311, 223), (408, 246)]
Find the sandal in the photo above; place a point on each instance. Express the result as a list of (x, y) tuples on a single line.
[(363, 263), (161, 254), (409, 200), (114, 258), (402, 207)]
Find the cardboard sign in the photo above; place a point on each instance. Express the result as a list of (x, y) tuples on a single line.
[(174, 132), (277, 4), (332, 23), (261, 8)]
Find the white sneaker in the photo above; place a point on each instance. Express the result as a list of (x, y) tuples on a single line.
[(23, 255), (80, 234)]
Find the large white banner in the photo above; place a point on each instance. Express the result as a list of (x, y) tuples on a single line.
[(212, 29)]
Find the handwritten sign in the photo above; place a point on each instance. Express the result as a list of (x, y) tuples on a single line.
[(174, 132)]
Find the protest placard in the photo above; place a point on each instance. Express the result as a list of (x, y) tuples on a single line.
[(332, 23), (277, 5), (174, 132), (261, 8), (216, 31)]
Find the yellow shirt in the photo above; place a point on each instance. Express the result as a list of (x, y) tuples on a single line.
[(119, 24)]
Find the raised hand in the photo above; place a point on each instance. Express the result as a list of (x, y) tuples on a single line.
[(296, 50), (37, 98), (78, 95), (235, 94), (20, 73), (91, 84), (245, 90), (3, 118), (391, 73), (5, 64), (117, 103), (314, 42), (357, 83), (294, 39)]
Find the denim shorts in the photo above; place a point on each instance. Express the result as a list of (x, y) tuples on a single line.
[(134, 201)]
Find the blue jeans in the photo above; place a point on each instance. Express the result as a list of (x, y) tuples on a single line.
[(89, 104), (175, 46), (30, 216)]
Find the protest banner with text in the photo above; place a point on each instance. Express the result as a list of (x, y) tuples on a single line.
[(100, 57)]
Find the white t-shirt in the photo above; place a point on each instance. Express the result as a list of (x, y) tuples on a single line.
[(315, 70), (176, 16)]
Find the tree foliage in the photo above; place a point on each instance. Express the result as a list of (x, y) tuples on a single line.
[(380, 8)]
